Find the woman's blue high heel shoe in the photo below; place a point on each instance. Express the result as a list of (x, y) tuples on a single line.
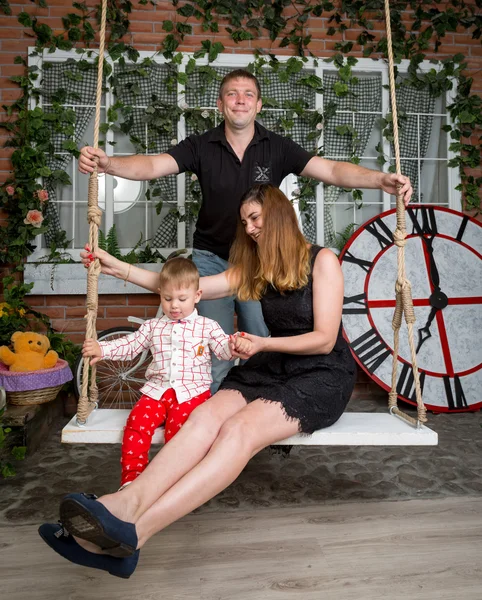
[(64, 544), (90, 520)]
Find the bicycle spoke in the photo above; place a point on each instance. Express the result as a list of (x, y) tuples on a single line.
[(118, 382)]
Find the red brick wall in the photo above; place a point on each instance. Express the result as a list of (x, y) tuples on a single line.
[(146, 33), (67, 312)]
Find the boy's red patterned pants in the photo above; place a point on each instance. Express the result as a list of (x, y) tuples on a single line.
[(146, 416)]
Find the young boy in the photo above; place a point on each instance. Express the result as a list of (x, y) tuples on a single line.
[(179, 376)]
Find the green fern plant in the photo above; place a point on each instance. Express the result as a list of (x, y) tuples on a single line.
[(112, 243), (133, 256), (102, 241), (341, 237)]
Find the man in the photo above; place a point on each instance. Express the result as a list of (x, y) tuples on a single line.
[(228, 160)]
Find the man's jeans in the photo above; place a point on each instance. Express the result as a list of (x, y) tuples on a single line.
[(250, 317)]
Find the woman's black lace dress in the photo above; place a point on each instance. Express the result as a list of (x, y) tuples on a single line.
[(314, 389)]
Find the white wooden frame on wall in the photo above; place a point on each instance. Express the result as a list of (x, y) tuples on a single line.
[(70, 278)]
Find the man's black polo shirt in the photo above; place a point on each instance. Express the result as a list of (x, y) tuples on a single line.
[(269, 158)]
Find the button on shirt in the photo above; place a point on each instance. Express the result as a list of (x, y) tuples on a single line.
[(181, 353), (223, 178)]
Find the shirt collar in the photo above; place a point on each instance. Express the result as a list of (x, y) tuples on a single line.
[(218, 133), (192, 317)]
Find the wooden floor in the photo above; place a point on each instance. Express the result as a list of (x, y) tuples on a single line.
[(417, 549)]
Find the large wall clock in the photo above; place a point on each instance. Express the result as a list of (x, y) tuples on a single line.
[(443, 258)]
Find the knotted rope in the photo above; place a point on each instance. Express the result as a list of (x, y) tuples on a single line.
[(94, 216), (404, 303), (403, 288)]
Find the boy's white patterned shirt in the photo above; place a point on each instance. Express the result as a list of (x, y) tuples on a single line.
[(181, 353)]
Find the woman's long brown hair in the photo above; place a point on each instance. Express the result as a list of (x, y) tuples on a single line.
[(281, 257)]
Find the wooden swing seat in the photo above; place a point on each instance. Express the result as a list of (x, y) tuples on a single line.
[(105, 426)]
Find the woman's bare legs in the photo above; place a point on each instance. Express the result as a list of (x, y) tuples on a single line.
[(241, 437), (183, 452), (203, 462)]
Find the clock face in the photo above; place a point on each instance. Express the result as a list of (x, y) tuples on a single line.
[(443, 261)]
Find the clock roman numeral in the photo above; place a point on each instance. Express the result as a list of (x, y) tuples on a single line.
[(380, 230), (428, 226), (355, 305), (460, 400), (406, 382), (366, 265), (371, 350), (462, 227)]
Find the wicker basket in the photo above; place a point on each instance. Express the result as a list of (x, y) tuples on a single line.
[(34, 387), (30, 397)]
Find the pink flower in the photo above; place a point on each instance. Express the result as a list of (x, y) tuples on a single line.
[(10, 190), (34, 218), (42, 195)]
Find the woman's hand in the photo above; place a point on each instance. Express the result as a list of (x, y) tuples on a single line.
[(244, 345), (87, 160), (109, 265), (91, 348)]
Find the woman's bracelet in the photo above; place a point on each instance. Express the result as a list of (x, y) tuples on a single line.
[(127, 276)]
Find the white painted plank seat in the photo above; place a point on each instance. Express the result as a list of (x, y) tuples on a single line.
[(105, 426)]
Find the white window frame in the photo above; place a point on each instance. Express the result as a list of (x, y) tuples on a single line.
[(238, 61)]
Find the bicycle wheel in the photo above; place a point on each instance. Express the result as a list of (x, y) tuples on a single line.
[(119, 382)]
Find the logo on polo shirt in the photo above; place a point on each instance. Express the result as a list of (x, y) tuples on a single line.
[(262, 174)]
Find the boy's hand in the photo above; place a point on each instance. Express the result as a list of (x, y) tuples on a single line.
[(241, 346), (91, 348)]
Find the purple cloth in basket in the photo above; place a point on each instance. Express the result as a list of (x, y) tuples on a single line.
[(35, 380)]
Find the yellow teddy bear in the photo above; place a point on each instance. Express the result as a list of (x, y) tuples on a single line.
[(31, 352)]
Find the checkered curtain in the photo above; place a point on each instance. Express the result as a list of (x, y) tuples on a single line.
[(271, 119), (140, 90), (366, 95), (201, 92), (415, 131), (80, 87), (284, 92)]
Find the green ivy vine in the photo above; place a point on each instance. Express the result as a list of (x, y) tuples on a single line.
[(31, 130)]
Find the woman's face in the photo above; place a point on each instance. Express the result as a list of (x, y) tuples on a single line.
[(252, 218)]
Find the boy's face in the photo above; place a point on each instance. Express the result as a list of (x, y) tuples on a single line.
[(177, 301)]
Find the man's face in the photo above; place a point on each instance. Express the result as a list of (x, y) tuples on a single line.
[(239, 103)]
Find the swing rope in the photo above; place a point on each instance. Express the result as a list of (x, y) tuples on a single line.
[(404, 303), (94, 216), (403, 288)]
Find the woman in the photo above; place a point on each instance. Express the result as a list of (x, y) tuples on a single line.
[(298, 380)]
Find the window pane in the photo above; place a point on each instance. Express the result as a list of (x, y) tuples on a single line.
[(434, 182), (150, 124), (163, 227), (339, 218), (81, 230), (437, 146), (131, 225), (350, 132), (308, 221), (375, 136)]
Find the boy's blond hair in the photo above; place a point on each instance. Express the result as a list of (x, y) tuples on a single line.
[(179, 272)]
